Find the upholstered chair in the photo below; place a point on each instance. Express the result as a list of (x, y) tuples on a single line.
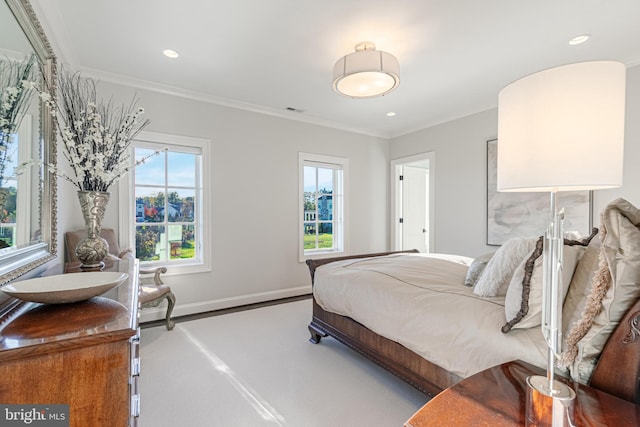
[(152, 291)]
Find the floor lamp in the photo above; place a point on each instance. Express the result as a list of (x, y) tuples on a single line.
[(560, 129)]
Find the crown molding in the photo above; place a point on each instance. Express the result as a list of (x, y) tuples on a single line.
[(220, 101)]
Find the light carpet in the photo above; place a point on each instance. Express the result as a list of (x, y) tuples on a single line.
[(257, 368)]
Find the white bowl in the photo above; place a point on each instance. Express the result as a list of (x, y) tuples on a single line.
[(65, 288)]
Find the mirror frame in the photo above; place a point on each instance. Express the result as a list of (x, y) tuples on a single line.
[(22, 260)]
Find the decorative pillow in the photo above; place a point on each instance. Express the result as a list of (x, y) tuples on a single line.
[(523, 302), (495, 278), (614, 288), (518, 299), (580, 286), (476, 268)]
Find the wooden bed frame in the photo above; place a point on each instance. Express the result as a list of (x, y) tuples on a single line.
[(617, 371)]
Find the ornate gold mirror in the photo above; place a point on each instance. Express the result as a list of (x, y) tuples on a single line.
[(28, 215)]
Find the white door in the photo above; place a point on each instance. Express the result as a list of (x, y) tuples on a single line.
[(415, 207), (413, 201)]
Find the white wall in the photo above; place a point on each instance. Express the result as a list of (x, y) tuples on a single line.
[(460, 179), (255, 197), (461, 176), (254, 189)]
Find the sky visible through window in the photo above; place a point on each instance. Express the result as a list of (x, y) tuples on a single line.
[(181, 165), (325, 179)]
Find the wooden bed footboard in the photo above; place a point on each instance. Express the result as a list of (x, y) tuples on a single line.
[(395, 358), (617, 371), (315, 263)]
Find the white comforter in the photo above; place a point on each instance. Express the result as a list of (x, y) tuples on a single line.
[(421, 302)]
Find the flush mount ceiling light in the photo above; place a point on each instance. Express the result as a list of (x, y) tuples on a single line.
[(366, 73)]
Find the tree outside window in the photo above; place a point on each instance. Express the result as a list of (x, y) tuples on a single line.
[(166, 206)]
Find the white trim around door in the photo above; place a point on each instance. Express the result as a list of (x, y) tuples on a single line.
[(423, 160)]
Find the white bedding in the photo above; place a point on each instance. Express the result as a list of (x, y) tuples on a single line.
[(421, 302)]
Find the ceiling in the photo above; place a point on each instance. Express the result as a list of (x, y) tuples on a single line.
[(268, 55)]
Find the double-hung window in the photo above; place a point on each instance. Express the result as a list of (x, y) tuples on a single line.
[(323, 204), (16, 185), (167, 207)]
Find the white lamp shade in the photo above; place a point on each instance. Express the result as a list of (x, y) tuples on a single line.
[(366, 73), (562, 129)]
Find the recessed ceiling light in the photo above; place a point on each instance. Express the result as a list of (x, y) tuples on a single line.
[(170, 53), (391, 114), (579, 39)]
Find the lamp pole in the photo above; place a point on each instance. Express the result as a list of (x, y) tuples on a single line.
[(548, 399)]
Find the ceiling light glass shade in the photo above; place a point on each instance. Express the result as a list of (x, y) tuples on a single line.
[(366, 73), (562, 129)]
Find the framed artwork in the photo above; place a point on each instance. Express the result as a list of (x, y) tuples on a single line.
[(528, 214)]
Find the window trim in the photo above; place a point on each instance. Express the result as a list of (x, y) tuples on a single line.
[(126, 190), (331, 162)]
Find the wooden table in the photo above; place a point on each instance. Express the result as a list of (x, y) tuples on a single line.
[(496, 397)]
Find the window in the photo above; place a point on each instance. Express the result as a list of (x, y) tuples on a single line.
[(323, 204), (16, 183), (166, 204), (8, 194)]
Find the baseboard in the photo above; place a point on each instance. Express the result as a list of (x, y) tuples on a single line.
[(158, 313)]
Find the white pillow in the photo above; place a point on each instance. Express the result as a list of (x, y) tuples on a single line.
[(496, 277), (523, 302)]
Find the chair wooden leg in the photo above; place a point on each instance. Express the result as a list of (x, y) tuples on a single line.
[(171, 300)]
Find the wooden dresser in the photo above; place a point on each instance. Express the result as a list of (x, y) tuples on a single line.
[(85, 354)]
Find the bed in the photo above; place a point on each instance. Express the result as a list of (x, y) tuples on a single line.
[(428, 365)]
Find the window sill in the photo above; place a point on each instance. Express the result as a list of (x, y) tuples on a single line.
[(178, 269)]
